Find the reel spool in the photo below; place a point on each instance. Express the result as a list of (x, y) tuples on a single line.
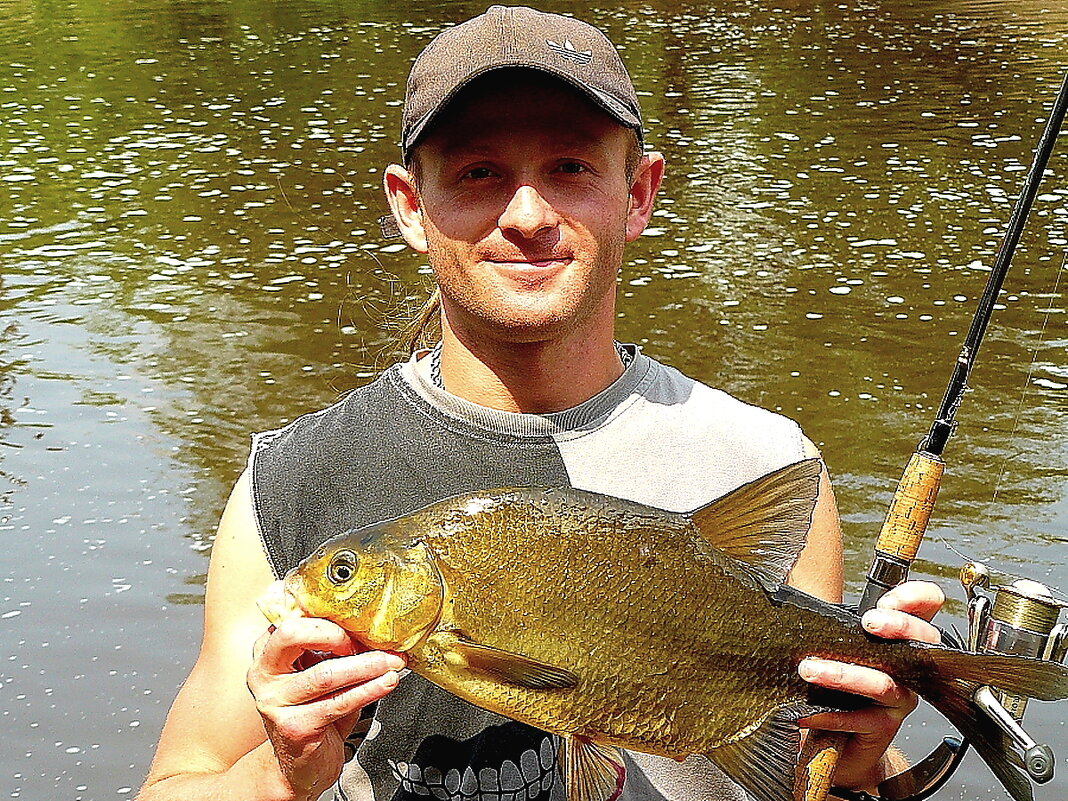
[(1023, 619)]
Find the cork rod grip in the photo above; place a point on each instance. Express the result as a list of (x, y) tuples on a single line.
[(816, 764), (902, 532), (910, 511)]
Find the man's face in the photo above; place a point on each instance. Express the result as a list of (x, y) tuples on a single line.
[(526, 207)]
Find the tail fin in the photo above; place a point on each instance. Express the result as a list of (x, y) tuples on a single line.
[(960, 674)]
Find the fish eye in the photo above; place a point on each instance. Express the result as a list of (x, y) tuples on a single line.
[(342, 567)]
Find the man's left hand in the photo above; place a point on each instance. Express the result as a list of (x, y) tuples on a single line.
[(902, 614)]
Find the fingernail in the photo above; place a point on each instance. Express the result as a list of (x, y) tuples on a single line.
[(888, 601), (873, 620), (395, 662), (809, 669)]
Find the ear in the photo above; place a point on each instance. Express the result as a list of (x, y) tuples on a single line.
[(643, 191), (406, 205)]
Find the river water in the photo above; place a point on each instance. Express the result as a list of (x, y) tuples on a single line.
[(188, 252)]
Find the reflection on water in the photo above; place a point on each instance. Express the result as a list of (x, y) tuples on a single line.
[(8, 367), (188, 252)]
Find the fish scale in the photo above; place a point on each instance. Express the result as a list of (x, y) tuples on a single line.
[(593, 608)]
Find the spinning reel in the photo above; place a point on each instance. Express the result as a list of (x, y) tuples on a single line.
[(1021, 618)]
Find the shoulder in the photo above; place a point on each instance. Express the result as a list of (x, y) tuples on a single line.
[(676, 443), (353, 412), (698, 410)]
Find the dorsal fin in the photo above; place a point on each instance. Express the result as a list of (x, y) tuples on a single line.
[(763, 524)]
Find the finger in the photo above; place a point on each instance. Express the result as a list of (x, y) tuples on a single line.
[(292, 638), (353, 699), (894, 625), (859, 680), (261, 643), (332, 676), (921, 598), (875, 722)]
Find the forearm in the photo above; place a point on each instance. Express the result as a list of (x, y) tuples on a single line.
[(254, 777)]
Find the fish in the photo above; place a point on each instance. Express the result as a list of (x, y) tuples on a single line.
[(617, 625)]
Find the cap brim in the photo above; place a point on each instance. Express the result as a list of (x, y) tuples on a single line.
[(610, 105)]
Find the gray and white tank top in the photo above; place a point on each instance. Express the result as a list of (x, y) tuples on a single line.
[(399, 443)]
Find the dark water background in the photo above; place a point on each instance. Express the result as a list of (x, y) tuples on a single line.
[(188, 252)]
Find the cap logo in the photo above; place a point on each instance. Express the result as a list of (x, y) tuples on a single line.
[(568, 51)]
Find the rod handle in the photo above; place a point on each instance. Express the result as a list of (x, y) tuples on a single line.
[(910, 511), (899, 541), (816, 764), (904, 527)]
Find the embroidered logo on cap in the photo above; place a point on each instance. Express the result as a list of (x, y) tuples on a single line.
[(568, 51)]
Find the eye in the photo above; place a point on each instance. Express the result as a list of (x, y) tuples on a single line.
[(342, 567), (478, 174), (572, 168)]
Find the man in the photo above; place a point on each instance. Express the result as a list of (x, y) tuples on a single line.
[(523, 179)]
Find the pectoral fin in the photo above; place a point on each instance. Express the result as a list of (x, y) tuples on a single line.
[(593, 772), (513, 668)]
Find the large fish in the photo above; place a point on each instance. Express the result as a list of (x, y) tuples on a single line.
[(617, 625)]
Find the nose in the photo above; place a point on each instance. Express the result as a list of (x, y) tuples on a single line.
[(528, 213)]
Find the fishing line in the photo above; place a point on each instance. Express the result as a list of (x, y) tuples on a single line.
[(1030, 373)]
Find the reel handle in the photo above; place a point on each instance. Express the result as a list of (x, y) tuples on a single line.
[(1023, 619)]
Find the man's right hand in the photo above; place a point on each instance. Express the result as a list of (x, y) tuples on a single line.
[(284, 739), (308, 711)]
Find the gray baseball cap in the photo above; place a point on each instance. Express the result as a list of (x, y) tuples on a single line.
[(517, 36)]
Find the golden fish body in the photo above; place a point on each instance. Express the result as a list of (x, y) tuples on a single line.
[(633, 603), (618, 625)]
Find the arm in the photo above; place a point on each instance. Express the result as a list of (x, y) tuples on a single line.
[(284, 739), (902, 614)]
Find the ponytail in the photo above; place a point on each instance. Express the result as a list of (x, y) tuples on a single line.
[(424, 329)]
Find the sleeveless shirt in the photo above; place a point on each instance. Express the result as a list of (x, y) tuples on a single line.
[(400, 443)]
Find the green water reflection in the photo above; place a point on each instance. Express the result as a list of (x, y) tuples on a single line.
[(188, 252)]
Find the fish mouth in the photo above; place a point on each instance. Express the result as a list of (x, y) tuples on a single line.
[(534, 775), (279, 604)]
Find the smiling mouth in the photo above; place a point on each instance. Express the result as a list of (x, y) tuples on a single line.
[(527, 264)]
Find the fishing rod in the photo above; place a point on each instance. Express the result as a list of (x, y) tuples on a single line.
[(905, 526)]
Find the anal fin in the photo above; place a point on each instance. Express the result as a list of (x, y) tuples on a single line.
[(764, 762), (593, 771)]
